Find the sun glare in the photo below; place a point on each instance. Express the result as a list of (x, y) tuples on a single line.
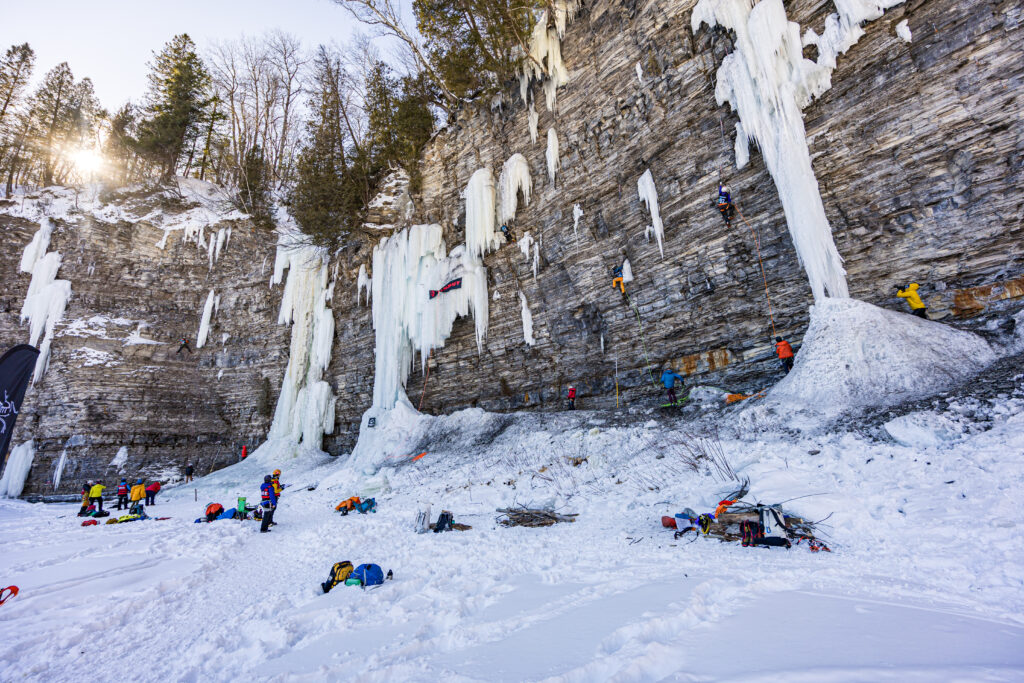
[(87, 161)]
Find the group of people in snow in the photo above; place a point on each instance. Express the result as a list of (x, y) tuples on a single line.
[(127, 496)]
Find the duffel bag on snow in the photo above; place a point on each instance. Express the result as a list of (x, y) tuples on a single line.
[(339, 573), (368, 574), (90, 522), (368, 505)]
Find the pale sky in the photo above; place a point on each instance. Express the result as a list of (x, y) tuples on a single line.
[(111, 41)]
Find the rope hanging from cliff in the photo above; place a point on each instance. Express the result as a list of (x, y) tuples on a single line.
[(764, 278), (643, 339)]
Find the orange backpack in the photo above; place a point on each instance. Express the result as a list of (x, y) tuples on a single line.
[(347, 506)]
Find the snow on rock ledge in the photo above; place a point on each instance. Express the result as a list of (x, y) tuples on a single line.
[(856, 355)]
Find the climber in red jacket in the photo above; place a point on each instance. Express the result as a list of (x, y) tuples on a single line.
[(785, 352)]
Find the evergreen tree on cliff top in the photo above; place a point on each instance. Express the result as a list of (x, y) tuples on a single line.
[(178, 96)]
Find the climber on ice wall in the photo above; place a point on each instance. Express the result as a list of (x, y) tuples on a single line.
[(572, 397), (507, 232), (183, 344), (725, 206), (917, 306)]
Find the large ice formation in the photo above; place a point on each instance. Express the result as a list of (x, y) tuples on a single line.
[(552, 154), (768, 82), (204, 320), (47, 297), (481, 214), (527, 320)]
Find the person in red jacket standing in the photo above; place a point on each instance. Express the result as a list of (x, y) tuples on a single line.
[(122, 494), (785, 352), (151, 492), (572, 397)]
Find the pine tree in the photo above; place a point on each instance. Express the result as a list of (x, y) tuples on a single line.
[(15, 71), (178, 97)]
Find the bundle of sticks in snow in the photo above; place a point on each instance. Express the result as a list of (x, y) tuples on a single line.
[(532, 517)]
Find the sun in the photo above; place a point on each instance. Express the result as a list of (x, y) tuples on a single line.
[(87, 161)]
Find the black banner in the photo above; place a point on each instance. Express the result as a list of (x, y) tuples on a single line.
[(16, 368), (454, 284)]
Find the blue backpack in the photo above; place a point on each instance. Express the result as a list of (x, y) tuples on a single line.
[(369, 574), (368, 505)]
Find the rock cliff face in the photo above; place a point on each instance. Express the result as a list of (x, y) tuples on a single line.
[(115, 378), (919, 153)]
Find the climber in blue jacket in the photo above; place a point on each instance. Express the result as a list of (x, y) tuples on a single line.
[(668, 378), (268, 499)]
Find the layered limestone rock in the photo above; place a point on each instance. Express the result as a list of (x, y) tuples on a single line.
[(115, 378)]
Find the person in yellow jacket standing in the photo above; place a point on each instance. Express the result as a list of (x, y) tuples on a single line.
[(914, 299), (137, 494), (96, 495)]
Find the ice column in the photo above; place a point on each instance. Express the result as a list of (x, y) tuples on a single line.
[(552, 154), (515, 176)]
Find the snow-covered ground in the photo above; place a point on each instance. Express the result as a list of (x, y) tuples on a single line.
[(926, 581)]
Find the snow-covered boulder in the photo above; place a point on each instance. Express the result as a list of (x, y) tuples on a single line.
[(923, 430), (856, 355)]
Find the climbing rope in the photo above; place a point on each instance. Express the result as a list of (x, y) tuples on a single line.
[(757, 243), (643, 339)]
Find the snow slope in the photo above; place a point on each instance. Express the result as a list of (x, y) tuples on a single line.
[(919, 586)]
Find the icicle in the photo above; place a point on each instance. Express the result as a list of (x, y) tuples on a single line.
[(742, 147), (602, 343), (639, 73), (481, 212), (649, 196), (363, 281), (204, 322), (222, 236), (552, 154), (515, 176), (525, 244), (536, 258), (210, 251), (532, 118), (527, 320)]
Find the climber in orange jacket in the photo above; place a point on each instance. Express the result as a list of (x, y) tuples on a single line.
[(785, 353), (914, 299)]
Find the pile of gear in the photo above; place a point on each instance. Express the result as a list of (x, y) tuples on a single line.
[(215, 512), (753, 524), (355, 504), (364, 575)]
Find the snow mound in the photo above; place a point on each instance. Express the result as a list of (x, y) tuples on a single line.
[(923, 430), (857, 355)]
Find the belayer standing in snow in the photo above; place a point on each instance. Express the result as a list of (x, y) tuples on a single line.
[(668, 378), (785, 353), (914, 299), (617, 280), (725, 206), (85, 498), (268, 499), (183, 345), (572, 397), (122, 494), (189, 471), (96, 495)]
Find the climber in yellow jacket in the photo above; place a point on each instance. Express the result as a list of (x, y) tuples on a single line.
[(96, 495), (914, 299), (138, 492)]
